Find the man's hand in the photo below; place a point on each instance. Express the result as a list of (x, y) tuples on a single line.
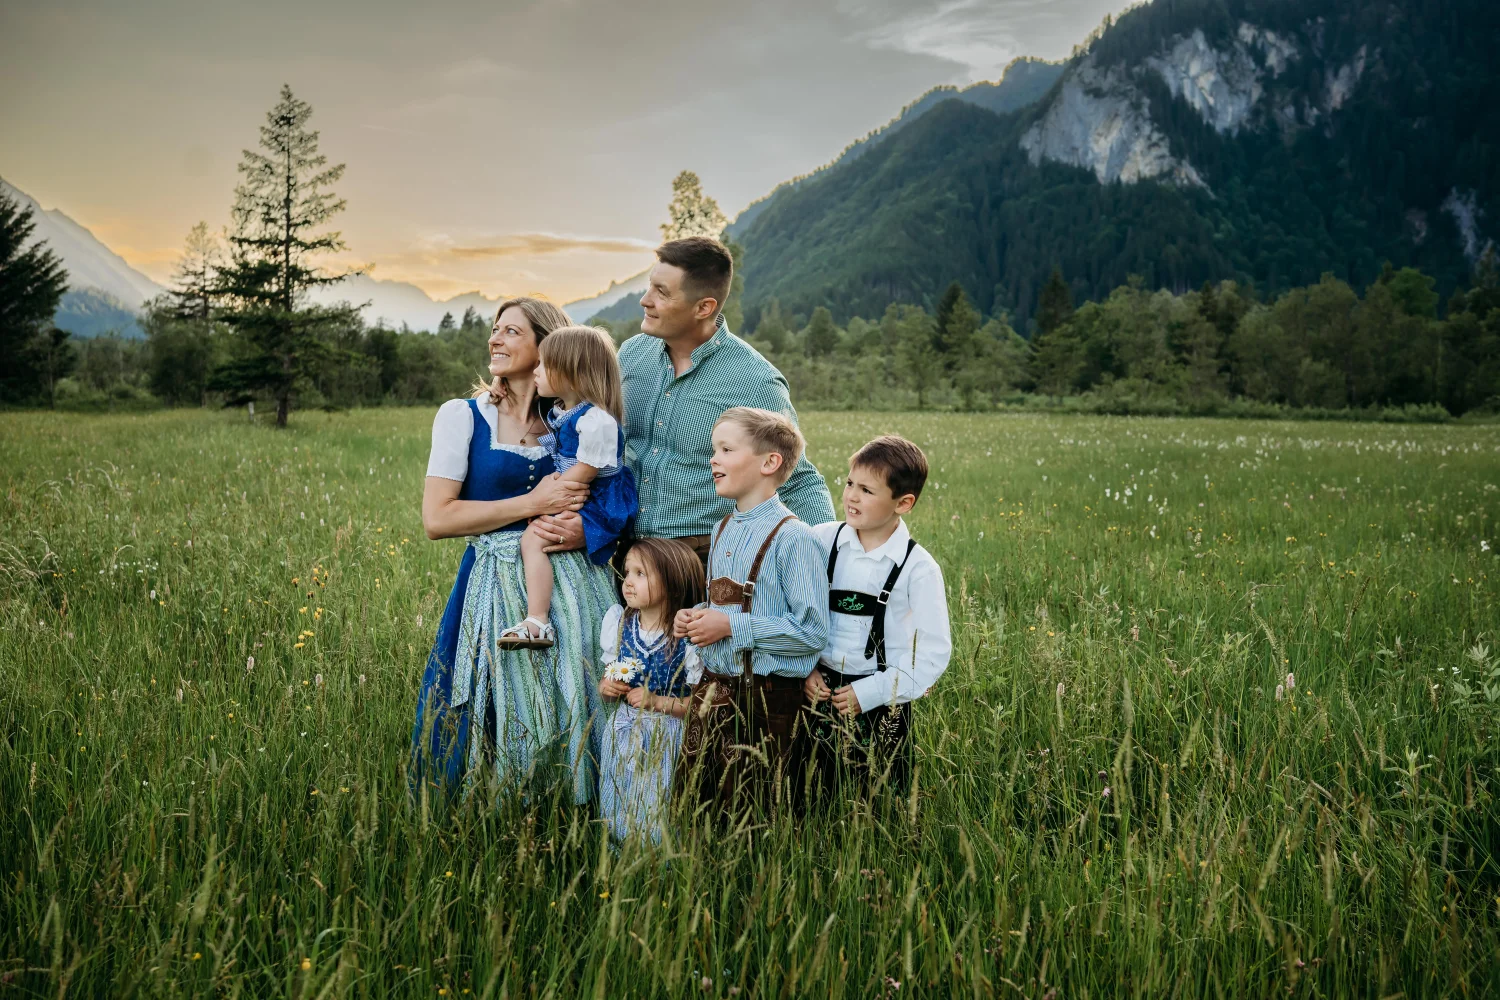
[(703, 626), (845, 700), (815, 687), (562, 532), (612, 689)]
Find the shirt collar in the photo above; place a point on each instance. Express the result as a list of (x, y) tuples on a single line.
[(704, 350), (763, 509), (892, 548)]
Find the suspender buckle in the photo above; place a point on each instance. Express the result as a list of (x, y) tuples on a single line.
[(749, 586), (885, 597)]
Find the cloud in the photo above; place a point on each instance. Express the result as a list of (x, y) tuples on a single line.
[(545, 244), (979, 35)]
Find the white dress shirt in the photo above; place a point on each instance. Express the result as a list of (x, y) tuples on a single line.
[(917, 640)]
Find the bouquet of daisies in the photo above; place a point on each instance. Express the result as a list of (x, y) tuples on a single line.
[(627, 670)]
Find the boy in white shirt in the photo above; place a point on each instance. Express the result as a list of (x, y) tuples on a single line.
[(888, 637)]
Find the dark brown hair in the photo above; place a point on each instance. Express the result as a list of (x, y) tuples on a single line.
[(899, 462), (678, 568), (707, 267)]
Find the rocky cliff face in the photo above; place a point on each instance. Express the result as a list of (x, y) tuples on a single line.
[(1100, 119)]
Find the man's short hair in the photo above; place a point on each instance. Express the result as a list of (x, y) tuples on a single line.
[(707, 267), (768, 432), (897, 460)]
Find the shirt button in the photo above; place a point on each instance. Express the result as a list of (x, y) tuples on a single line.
[(655, 450), (669, 395), (658, 423), (532, 478), (533, 467), (646, 480)]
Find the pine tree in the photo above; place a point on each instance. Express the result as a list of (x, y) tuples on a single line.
[(471, 321), (281, 206), (195, 286), (446, 324), (733, 309), (821, 338), (771, 330), (32, 282), (1055, 305), (691, 212)]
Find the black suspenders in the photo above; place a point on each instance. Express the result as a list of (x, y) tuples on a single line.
[(862, 605)]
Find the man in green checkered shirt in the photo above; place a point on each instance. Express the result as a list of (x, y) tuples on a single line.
[(680, 374)]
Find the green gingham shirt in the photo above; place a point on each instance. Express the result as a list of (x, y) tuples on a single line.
[(669, 420)]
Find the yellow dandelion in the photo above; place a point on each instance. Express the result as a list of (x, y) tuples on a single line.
[(306, 964), (303, 611), (197, 955), (604, 894), (299, 645)]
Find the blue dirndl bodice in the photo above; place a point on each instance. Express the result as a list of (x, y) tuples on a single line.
[(612, 501), (664, 673)]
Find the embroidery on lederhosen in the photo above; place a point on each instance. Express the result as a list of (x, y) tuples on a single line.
[(857, 603)]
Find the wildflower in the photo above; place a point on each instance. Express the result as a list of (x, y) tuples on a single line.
[(604, 894), (1484, 546), (301, 611), (197, 955), (1291, 681), (1280, 691), (1104, 794), (447, 874), (890, 981), (1135, 633), (179, 695), (1103, 775), (361, 678), (306, 964), (318, 679), (298, 645), (1060, 688), (705, 984), (249, 665), (153, 594), (419, 621)]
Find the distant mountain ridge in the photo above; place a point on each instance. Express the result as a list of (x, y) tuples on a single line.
[(1024, 82), (1192, 140)]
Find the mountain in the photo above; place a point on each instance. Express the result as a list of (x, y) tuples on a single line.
[(630, 289), (1190, 140), (394, 303), (104, 292), (1024, 82)]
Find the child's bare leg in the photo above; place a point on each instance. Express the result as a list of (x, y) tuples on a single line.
[(538, 565)]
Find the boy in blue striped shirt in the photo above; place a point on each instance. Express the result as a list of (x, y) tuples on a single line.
[(765, 623)]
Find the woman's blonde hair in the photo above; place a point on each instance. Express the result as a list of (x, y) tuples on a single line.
[(583, 358), (545, 319)]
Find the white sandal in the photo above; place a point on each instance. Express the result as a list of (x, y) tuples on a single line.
[(521, 637)]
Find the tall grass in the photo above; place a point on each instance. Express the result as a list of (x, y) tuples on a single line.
[(1110, 798)]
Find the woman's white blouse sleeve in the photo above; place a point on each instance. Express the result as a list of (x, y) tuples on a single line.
[(598, 439), (452, 429), (692, 664), (609, 634)]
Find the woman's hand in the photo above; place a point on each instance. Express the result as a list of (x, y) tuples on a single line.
[(554, 494), (612, 689)]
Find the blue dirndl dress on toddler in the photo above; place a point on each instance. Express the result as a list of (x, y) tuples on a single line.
[(612, 501), (640, 747)]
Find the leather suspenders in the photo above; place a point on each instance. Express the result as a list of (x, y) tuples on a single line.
[(862, 605), (724, 591)]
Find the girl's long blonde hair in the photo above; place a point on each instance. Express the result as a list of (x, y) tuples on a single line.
[(545, 319), (583, 358)]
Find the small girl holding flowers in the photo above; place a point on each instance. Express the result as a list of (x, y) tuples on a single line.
[(652, 671)]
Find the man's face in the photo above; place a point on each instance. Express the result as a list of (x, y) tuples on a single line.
[(668, 311)]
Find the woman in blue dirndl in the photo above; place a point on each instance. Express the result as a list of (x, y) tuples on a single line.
[(529, 712)]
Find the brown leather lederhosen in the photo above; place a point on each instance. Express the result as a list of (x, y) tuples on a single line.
[(742, 739)]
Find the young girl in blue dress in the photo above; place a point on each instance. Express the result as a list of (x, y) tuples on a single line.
[(580, 370), (651, 672)]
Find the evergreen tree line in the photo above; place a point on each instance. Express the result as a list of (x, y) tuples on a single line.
[(1220, 349)]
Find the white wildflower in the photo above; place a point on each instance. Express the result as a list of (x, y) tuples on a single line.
[(1291, 681), (625, 670), (249, 664), (1280, 692)]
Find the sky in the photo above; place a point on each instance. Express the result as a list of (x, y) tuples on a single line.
[(491, 145)]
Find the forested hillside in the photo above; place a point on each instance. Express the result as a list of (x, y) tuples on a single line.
[(1193, 140)]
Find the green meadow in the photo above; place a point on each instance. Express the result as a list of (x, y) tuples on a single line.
[(1223, 720)]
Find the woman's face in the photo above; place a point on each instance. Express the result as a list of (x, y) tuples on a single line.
[(512, 345)]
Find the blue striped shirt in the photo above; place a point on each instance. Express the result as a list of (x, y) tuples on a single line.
[(787, 626), (669, 422)]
